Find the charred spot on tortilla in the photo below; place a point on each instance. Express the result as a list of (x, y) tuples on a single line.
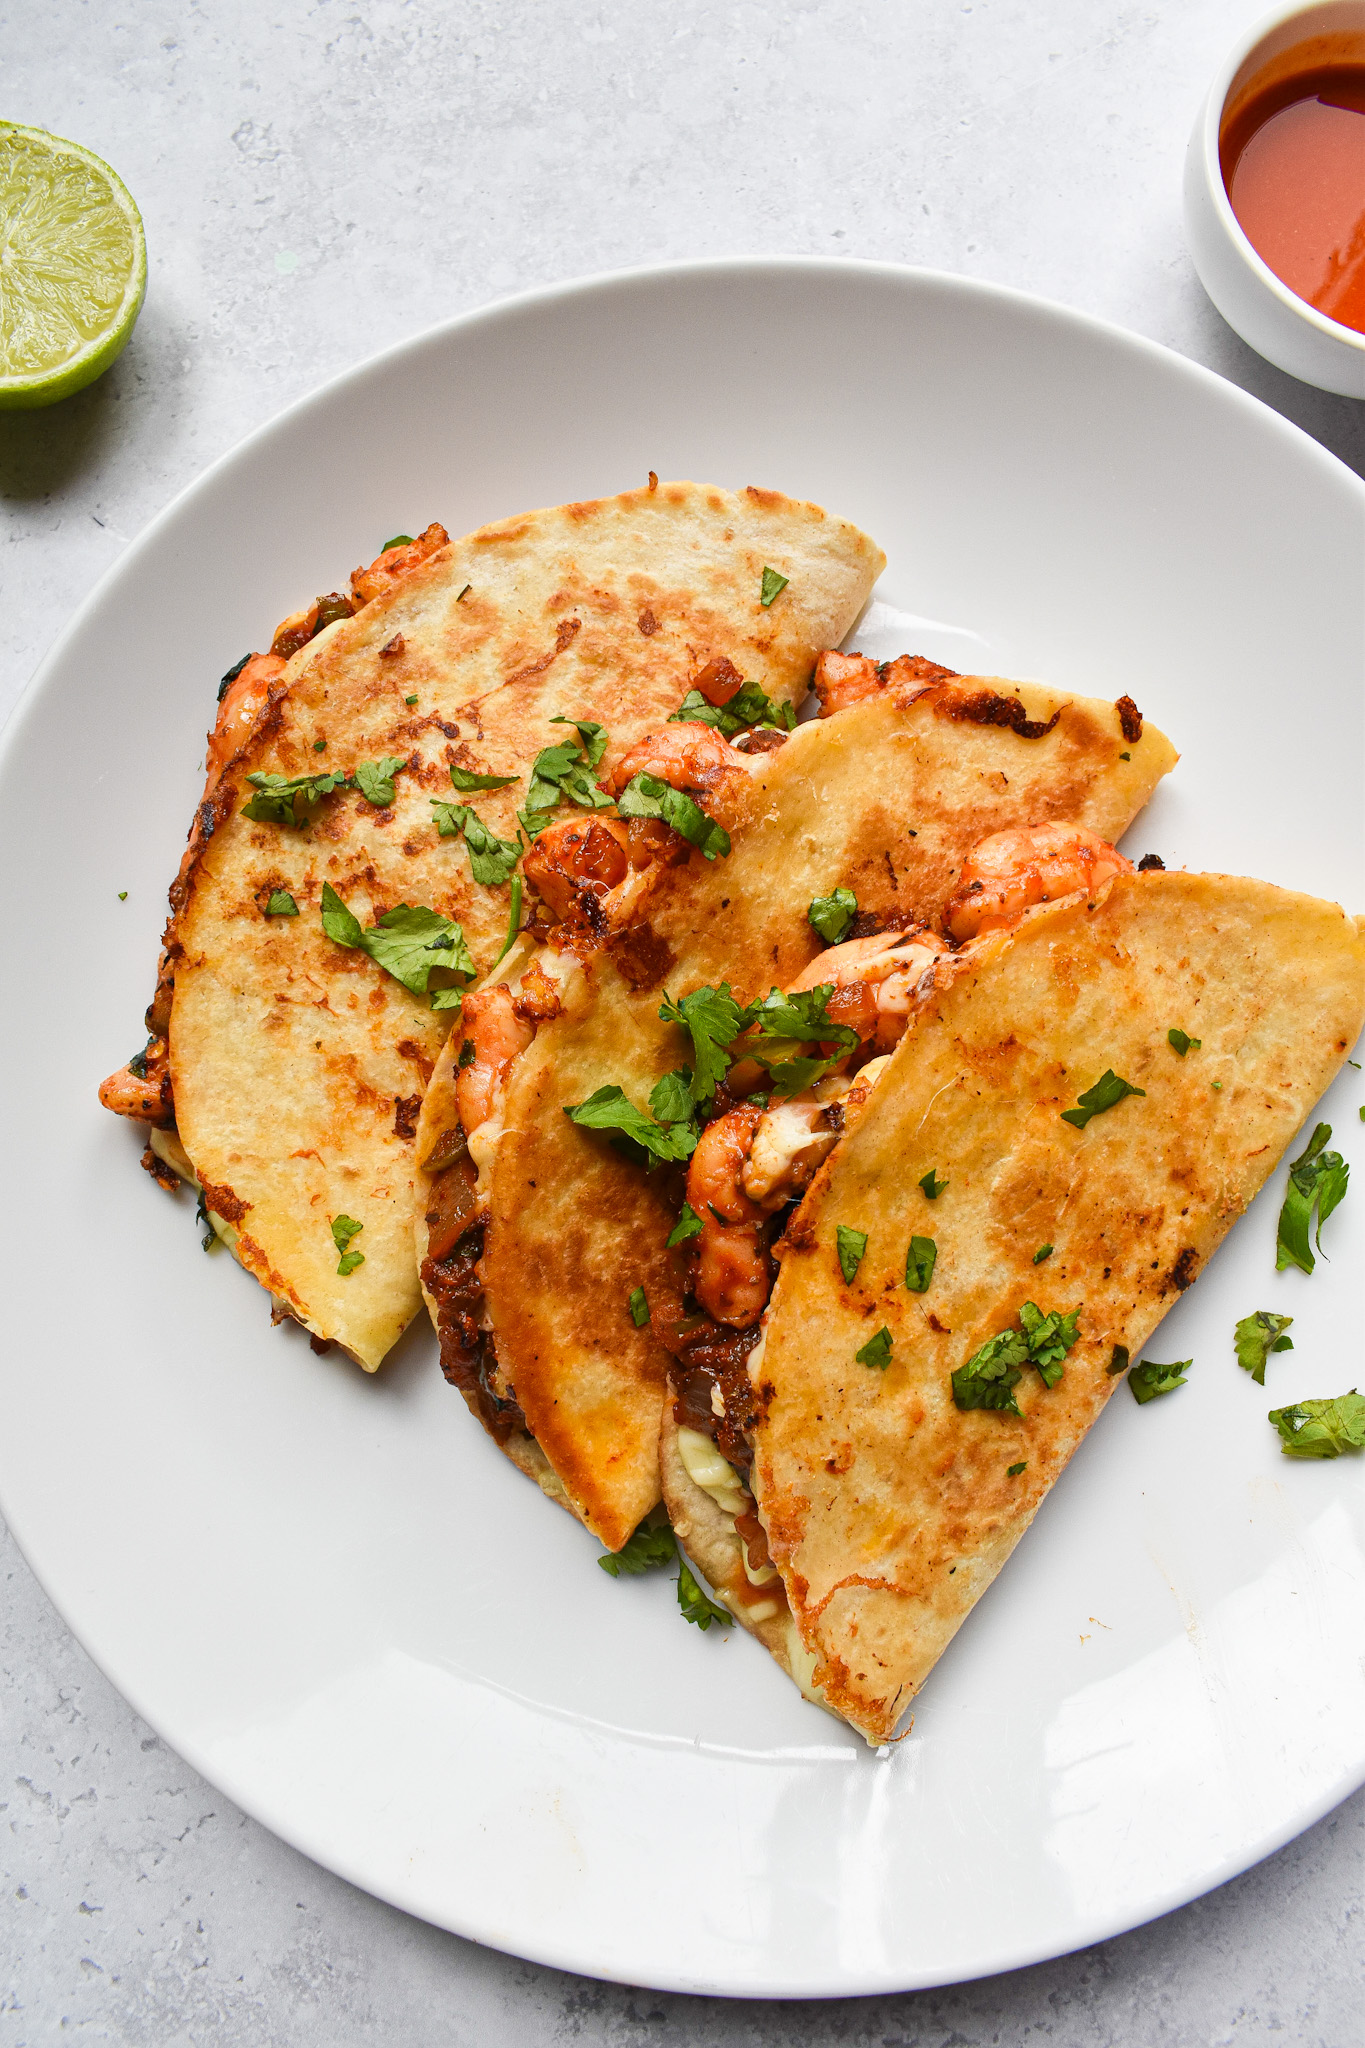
[(1130, 720)]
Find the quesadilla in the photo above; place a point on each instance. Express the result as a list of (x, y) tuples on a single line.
[(545, 1250), (1071, 1123), (372, 784)]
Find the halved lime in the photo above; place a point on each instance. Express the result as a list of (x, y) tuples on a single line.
[(73, 266)]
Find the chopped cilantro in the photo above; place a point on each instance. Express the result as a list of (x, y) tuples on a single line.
[(832, 915), (877, 1350), (1256, 1336), (491, 860), (123, 895), (281, 904), (608, 1109), (319, 746), (670, 1098), (1109, 1089), (931, 1184), (1118, 1361), (1148, 1379), (1125, 757), (919, 1264), (563, 771), (989, 1377), (852, 1245), (639, 1307), (1180, 1041), (748, 707), (1044, 1251), (1013, 1471), (400, 540), (644, 796), (714, 1020), (689, 1224), (1322, 1429), (694, 1604), (772, 586), (467, 1054), (464, 779), (1316, 1179), (802, 1015), (651, 1545), (344, 1228), (991, 1374), (801, 1018), (513, 920), (409, 942), (282, 800), (374, 779), (409, 700), (1050, 1337)]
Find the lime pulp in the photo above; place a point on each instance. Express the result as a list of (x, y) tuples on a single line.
[(73, 266)]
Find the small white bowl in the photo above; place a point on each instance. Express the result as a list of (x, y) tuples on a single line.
[(1276, 322)]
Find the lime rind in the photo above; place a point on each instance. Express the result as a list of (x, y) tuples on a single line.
[(73, 266)]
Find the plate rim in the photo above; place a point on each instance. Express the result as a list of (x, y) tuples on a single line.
[(600, 284)]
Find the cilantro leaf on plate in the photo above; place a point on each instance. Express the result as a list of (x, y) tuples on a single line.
[(1322, 1429), (1256, 1336), (650, 1546), (694, 1604), (1317, 1179), (1148, 1379)]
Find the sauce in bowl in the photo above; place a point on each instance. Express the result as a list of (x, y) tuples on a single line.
[(1292, 156)]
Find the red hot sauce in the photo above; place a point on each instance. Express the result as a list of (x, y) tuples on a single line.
[(1292, 156)]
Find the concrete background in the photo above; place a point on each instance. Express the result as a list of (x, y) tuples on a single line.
[(317, 182)]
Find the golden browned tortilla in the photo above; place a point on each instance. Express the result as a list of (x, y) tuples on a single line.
[(886, 797), (298, 1066), (887, 1508)]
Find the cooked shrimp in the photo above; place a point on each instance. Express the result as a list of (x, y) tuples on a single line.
[(734, 1275), (243, 702), (144, 1096), (1008, 873), (577, 858), (498, 1035), (688, 754), (844, 679), (394, 563), (876, 980)]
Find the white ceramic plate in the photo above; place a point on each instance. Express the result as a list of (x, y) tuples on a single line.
[(329, 1592)]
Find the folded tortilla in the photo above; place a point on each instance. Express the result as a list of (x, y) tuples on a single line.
[(886, 797), (298, 1066), (887, 1509)]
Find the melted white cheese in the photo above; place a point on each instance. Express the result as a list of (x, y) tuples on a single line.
[(715, 1475)]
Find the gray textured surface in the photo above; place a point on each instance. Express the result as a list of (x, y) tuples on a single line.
[(318, 182)]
